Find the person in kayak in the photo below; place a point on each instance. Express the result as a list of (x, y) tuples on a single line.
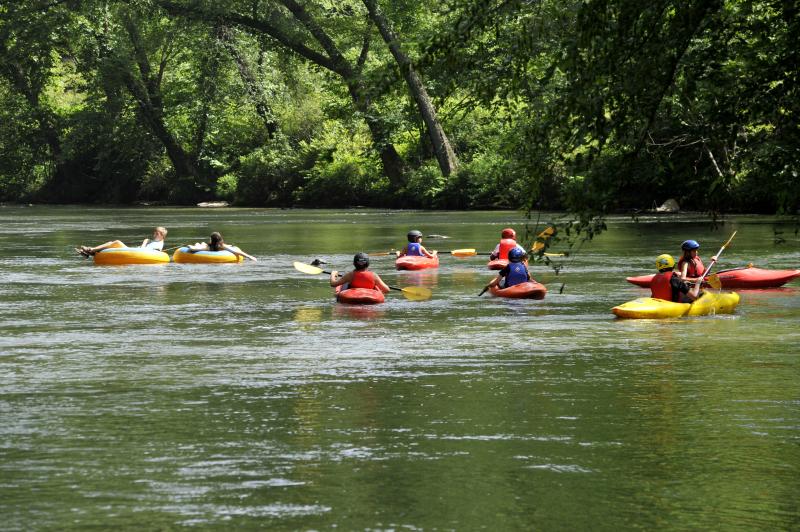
[(217, 243), (669, 286), (360, 277), (414, 248), (690, 267), (508, 241), (515, 272), (156, 244)]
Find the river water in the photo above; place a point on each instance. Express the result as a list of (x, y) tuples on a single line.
[(221, 396)]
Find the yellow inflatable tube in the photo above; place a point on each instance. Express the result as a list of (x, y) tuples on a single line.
[(184, 256), (119, 256)]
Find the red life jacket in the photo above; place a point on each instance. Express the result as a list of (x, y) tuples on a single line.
[(506, 245), (363, 279), (660, 286), (695, 268)]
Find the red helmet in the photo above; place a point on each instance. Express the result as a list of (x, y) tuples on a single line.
[(508, 233)]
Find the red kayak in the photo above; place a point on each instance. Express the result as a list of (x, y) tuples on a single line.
[(359, 296), (739, 278), (416, 263), (529, 290), (497, 264)]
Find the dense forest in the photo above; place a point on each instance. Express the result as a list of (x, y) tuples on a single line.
[(591, 106)]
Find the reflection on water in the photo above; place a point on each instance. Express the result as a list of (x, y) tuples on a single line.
[(244, 396)]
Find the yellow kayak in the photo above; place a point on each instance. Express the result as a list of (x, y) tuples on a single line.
[(651, 308)]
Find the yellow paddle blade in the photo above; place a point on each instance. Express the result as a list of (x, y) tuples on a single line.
[(307, 268), (417, 293), (713, 281), (541, 237), (467, 252)]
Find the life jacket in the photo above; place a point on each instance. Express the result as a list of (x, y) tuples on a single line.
[(362, 279), (413, 249), (506, 245), (660, 286), (517, 274), (695, 269)]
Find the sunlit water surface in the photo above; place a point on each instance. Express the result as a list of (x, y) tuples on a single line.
[(243, 396)]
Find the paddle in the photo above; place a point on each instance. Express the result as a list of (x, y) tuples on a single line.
[(716, 258), (471, 252), (485, 288), (414, 293)]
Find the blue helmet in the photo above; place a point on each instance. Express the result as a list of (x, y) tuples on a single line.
[(516, 255), (690, 245)]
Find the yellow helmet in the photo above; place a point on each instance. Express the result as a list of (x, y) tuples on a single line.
[(665, 262)]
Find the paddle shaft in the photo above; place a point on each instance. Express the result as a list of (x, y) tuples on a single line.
[(705, 273)]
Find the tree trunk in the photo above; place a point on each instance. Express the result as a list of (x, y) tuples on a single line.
[(445, 155), (251, 85), (147, 93), (334, 61)]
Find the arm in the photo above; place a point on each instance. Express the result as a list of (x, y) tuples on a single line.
[(337, 281), (199, 246), (240, 253), (403, 252), (426, 252), (496, 253), (383, 287), (145, 242)]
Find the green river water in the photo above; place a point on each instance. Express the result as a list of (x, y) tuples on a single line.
[(242, 396)]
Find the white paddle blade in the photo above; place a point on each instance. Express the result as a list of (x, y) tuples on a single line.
[(307, 268)]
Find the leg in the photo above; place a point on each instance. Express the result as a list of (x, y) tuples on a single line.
[(101, 247)]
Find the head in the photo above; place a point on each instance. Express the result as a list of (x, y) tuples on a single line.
[(689, 246), (361, 261), (414, 236), (159, 233), (665, 263), (516, 255), (508, 233), (216, 241)]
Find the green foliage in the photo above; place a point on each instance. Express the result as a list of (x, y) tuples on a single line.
[(587, 106), (268, 175)]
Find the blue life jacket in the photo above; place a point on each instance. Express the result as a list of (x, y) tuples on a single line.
[(517, 274), (413, 249)]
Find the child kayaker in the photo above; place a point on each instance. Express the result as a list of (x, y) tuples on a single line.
[(668, 285), (515, 272), (508, 241), (414, 248), (156, 244), (216, 243), (690, 267), (360, 277)]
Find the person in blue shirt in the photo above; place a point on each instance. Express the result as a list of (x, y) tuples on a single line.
[(414, 248), (515, 272)]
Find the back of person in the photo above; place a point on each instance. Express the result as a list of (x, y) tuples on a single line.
[(506, 245), (413, 249), (516, 274), (362, 279), (661, 286)]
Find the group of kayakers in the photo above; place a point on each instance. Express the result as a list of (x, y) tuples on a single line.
[(668, 284), (514, 273)]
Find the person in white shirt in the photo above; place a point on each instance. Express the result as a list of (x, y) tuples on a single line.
[(156, 244)]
